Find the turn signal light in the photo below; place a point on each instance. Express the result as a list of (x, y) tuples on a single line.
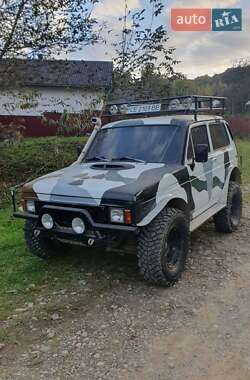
[(127, 216)]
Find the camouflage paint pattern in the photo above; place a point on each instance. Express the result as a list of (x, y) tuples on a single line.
[(98, 183)]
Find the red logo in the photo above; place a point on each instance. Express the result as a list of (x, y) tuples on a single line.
[(191, 19)]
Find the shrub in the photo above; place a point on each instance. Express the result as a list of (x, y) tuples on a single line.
[(35, 157)]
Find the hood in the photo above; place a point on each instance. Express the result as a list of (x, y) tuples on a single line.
[(97, 182)]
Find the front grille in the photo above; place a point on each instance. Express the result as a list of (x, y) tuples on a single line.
[(64, 218)]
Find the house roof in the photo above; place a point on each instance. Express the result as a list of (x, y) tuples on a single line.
[(56, 73)]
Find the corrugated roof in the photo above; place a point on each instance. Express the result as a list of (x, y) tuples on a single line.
[(56, 73)]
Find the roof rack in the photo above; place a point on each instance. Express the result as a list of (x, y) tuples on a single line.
[(188, 104)]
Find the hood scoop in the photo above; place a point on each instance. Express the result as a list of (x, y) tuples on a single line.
[(111, 166)]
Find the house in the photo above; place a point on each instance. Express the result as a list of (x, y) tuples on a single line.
[(33, 92)]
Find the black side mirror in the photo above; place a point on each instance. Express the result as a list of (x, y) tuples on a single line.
[(201, 153), (79, 149)]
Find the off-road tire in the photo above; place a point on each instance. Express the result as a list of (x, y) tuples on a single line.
[(228, 219), (44, 248), (153, 247)]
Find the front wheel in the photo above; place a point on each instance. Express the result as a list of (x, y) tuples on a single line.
[(163, 247), (228, 219), (40, 246)]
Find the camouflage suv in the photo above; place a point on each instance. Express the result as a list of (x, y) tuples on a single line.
[(146, 180)]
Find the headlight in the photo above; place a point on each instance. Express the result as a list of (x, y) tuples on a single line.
[(117, 215), (120, 215), (47, 221), (30, 206), (78, 225)]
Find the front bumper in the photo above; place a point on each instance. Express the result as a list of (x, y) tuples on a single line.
[(95, 233)]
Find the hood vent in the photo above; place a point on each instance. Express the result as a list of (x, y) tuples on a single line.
[(109, 166)]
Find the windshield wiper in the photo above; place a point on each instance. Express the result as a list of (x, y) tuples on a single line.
[(128, 158), (97, 158)]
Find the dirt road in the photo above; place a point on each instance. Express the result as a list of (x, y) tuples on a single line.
[(200, 329)]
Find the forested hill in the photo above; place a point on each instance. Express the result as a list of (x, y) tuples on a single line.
[(234, 83)]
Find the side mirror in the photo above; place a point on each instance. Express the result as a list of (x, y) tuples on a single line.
[(79, 149), (201, 153)]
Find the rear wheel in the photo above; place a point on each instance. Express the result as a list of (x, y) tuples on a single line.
[(163, 247), (40, 246), (228, 219)]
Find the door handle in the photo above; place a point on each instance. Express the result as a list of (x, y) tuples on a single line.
[(214, 159)]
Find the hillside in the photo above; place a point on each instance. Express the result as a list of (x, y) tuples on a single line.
[(233, 83)]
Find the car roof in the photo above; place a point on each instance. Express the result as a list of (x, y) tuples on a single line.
[(181, 120)]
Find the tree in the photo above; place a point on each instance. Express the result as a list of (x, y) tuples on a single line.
[(143, 61), (40, 28)]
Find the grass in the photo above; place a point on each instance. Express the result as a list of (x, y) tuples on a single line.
[(23, 277), (244, 152)]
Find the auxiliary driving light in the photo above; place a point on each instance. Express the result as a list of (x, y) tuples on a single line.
[(113, 109), (47, 221), (78, 226)]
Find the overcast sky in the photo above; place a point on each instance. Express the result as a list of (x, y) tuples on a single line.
[(199, 52)]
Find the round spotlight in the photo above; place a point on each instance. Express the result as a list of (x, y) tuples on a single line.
[(113, 109), (78, 226), (187, 103), (47, 221), (123, 108)]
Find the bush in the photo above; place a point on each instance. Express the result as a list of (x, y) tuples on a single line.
[(35, 157)]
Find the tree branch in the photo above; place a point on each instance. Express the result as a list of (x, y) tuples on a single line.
[(9, 39)]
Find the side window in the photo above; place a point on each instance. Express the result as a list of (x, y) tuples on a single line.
[(200, 136), (229, 131), (190, 152), (219, 135)]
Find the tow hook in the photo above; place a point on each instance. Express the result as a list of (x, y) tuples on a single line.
[(91, 242), (36, 233)]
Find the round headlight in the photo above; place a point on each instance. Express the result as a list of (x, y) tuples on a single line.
[(47, 221), (78, 225), (30, 205)]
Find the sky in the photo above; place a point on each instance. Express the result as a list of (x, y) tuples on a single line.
[(200, 53)]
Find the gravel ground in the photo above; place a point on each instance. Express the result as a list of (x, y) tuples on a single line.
[(199, 329)]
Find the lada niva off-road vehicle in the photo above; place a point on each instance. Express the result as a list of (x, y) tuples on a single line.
[(153, 174)]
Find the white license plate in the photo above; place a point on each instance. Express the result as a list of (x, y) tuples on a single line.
[(144, 108)]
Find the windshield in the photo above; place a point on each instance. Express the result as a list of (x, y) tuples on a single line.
[(149, 143)]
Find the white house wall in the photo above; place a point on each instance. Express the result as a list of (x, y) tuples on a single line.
[(36, 101)]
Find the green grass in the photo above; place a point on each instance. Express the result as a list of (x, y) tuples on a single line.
[(24, 277), (244, 152)]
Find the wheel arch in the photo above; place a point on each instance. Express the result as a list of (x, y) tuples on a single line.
[(235, 175), (179, 204)]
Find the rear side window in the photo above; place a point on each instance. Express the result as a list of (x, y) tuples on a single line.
[(200, 136), (219, 135)]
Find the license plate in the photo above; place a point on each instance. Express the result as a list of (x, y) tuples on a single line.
[(144, 108)]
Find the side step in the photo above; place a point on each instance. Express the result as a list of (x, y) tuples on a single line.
[(199, 220)]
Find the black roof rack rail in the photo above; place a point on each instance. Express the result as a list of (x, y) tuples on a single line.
[(188, 104)]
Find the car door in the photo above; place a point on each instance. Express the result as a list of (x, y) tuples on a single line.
[(220, 156), (200, 173)]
